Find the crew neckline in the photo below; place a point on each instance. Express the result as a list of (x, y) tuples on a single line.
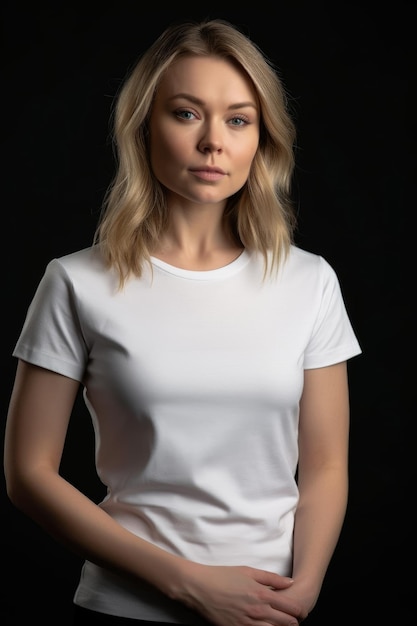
[(221, 272)]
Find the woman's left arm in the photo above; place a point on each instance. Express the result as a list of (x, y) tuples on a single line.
[(322, 477)]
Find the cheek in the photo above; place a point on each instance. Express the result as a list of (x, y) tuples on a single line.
[(244, 152), (164, 150), (244, 158), (156, 145), (159, 156)]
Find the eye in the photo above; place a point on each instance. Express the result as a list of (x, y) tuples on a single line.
[(185, 114), (239, 120)]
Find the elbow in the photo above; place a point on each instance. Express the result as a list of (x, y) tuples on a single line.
[(15, 490), (18, 490)]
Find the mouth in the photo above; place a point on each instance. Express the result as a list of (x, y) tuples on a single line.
[(208, 173)]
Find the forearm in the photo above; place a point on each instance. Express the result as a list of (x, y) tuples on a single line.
[(77, 522), (318, 523)]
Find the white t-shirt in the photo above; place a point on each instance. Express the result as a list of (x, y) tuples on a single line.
[(193, 381)]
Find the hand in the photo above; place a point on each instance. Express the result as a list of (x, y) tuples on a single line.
[(241, 596)]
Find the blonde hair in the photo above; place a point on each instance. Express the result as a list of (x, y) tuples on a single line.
[(134, 212)]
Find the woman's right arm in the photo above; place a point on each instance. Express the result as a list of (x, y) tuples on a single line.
[(39, 412), (40, 409)]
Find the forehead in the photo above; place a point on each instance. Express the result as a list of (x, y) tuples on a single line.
[(203, 77)]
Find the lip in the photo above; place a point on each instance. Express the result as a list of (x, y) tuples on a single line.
[(208, 173)]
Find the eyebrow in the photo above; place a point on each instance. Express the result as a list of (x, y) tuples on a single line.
[(188, 96)]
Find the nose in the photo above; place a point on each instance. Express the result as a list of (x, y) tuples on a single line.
[(211, 140)]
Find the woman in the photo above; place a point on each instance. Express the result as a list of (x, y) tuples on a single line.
[(212, 353)]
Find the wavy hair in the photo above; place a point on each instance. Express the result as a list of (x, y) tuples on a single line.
[(134, 214)]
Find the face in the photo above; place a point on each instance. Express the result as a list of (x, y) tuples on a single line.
[(204, 130)]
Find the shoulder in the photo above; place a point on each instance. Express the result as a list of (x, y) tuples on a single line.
[(85, 263), (86, 259), (308, 264), (82, 272)]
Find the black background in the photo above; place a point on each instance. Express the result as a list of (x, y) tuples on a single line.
[(350, 69)]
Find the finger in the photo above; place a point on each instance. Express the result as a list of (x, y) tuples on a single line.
[(272, 580)]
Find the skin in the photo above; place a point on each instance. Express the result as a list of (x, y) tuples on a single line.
[(187, 134)]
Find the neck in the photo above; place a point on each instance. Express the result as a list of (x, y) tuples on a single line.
[(197, 245)]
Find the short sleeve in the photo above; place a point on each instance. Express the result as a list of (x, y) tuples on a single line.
[(333, 339), (52, 336)]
